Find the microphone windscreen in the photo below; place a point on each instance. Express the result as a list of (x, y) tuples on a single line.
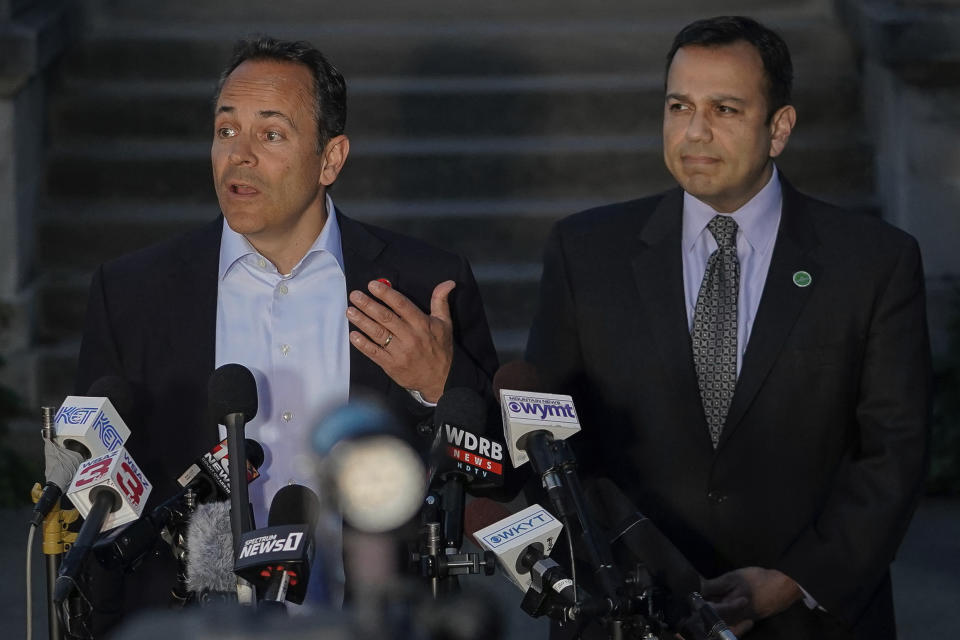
[(117, 390), (517, 375), (463, 407), (232, 389), (254, 453), (210, 549), (294, 504)]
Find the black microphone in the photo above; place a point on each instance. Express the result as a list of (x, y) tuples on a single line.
[(277, 559), (209, 475), (127, 546), (63, 455), (459, 419), (637, 538), (232, 398)]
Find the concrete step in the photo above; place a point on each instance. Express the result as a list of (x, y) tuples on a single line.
[(427, 11), (152, 51), (594, 104), (580, 167), (71, 236)]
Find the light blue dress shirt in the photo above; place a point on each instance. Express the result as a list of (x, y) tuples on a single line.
[(291, 331), (758, 221)]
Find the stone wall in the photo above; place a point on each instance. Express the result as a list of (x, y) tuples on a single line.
[(911, 69)]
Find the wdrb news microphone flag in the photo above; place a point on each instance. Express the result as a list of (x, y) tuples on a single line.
[(526, 411)]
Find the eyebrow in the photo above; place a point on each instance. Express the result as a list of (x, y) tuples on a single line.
[(266, 113), (717, 98)]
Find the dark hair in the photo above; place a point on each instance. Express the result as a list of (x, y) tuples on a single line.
[(723, 30), (329, 88)]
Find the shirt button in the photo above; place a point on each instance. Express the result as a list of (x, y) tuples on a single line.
[(284, 349), (283, 290), (716, 497), (287, 416), (262, 263)]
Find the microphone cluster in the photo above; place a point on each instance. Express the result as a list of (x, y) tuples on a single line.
[(371, 473), (645, 586)]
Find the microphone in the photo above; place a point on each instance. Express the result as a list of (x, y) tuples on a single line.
[(209, 561), (209, 476), (638, 535), (526, 411), (232, 398), (126, 546), (536, 426), (372, 472), (521, 544), (509, 539), (93, 425), (83, 427), (639, 540), (457, 458), (457, 449), (277, 559), (108, 491)]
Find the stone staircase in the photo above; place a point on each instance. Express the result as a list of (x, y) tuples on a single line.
[(473, 126)]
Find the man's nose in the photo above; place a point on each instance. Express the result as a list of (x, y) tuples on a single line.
[(241, 152), (699, 128)]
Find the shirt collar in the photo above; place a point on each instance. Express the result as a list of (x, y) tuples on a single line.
[(758, 219), (234, 246)]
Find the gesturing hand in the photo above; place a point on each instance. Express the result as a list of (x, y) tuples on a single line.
[(748, 594), (413, 348)]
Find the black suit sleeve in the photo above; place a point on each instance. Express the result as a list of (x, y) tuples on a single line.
[(554, 346), (98, 351), (842, 556), (554, 342), (474, 356)]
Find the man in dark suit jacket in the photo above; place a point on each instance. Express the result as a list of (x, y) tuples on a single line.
[(153, 315), (794, 512)]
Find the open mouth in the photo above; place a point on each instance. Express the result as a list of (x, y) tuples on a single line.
[(242, 189)]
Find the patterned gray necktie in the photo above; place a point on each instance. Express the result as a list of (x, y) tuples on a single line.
[(715, 326)]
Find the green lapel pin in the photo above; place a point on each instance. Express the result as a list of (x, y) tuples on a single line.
[(802, 279)]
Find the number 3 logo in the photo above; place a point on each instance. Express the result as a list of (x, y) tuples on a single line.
[(129, 483), (94, 472)]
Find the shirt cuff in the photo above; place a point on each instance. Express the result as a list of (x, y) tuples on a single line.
[(809, 600)]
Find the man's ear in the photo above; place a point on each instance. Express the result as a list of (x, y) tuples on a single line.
[(781, 124), (334, 157)]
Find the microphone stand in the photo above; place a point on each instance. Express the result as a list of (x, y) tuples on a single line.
[(441, 565), (240, 521), (53, 536), (554, 461)]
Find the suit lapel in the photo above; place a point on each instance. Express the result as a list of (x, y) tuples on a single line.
[(193, 298), (780, 305), (361, 252), (658, 274), (190, 318)]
